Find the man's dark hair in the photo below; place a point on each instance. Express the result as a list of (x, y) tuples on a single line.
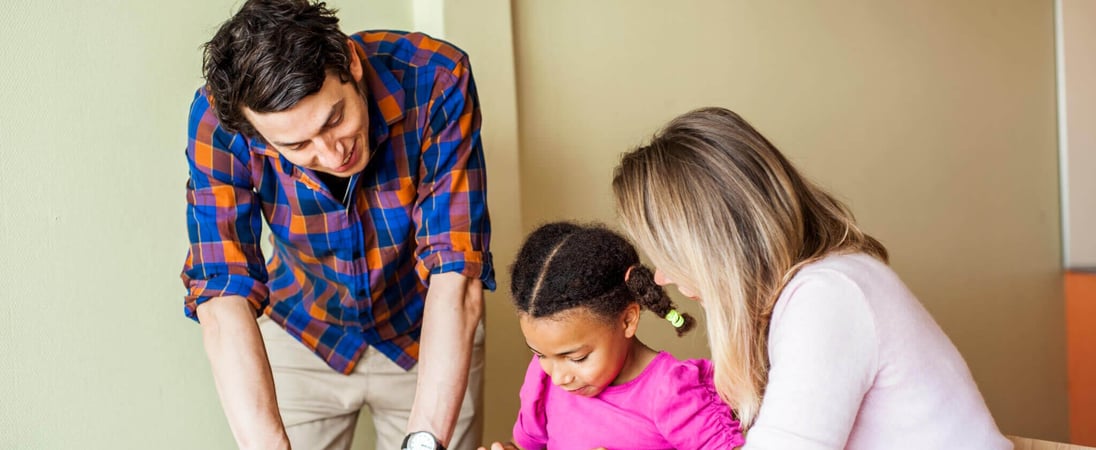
[(270, 55), (562, 266)]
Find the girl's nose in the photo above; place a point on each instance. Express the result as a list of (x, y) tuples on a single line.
[(561, 378)]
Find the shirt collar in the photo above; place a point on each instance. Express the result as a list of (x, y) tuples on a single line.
[(382, 88)]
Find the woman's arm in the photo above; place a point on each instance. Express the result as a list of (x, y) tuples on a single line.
[(823, 351)]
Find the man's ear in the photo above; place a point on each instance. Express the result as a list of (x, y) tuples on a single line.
[(355, 62), (630, 320)]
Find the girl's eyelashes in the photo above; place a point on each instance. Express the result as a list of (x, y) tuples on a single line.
[(577, 360)]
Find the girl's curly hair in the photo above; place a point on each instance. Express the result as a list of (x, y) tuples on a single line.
[(564, 265)]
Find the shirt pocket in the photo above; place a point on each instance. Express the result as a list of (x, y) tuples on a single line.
[(390, 209)]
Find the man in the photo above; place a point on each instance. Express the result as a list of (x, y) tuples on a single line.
[(363, 155)]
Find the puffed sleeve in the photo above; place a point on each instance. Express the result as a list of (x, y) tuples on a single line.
[(531, 427), (689, 412)]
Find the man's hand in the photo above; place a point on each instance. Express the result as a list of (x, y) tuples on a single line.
[(241, 372)]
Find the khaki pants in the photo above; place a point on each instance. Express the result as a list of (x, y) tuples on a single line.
[(320, 406)]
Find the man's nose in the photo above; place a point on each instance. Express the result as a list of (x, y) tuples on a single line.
[(330, 150)]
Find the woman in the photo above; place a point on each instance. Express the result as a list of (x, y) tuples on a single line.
[(815, 340)]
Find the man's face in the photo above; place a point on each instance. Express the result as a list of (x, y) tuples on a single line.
[(326, 131)]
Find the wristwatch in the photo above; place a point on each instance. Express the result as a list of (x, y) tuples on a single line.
[(421, 440)]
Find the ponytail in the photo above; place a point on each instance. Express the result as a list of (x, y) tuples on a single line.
[(641, 282)]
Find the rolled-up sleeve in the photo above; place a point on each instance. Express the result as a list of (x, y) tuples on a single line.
[(453, 227), (223, 218)]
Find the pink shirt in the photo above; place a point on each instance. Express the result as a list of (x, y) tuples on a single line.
[(671, 405), (858, 363)]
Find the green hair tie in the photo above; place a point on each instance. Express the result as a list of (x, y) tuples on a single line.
[(676, 319)]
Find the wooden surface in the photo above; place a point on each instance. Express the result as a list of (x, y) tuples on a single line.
[(1035, 444)]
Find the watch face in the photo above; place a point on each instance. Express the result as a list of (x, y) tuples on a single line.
[(421, 440)]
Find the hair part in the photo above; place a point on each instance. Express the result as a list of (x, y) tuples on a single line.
[(563, 266), (270, 55), (710, 191)]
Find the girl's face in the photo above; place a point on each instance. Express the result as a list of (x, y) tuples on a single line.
[(662, 280), (582, 352)]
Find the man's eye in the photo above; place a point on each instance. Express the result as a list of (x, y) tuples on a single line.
[(578, 360), (335, 122)]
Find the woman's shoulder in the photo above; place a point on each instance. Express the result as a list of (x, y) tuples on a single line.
[(827, 310), (851, 281), (839, 278), (855, 267)]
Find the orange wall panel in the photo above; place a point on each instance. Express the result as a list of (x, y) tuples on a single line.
[(1081, 344)]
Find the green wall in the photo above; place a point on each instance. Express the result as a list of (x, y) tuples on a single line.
[(95, 352)]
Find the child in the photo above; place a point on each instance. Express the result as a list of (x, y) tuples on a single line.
[(592, 383)]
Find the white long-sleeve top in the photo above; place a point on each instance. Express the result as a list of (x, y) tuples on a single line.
[(858, 363)]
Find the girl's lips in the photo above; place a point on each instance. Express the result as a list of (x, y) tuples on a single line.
[(579, 391)]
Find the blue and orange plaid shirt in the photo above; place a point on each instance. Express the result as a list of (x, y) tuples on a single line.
[(344, 277)]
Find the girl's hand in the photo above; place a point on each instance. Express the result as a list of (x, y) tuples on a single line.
[(501, 446)]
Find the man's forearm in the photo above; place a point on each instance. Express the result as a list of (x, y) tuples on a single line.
[(241, 372), (454, 307)]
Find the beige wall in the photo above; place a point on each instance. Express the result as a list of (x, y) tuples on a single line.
[(483, 29), (934, 120)]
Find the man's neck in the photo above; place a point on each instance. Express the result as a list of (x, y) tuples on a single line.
[(338, 186)]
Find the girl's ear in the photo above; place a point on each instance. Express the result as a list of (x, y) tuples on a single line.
[(630, 320)]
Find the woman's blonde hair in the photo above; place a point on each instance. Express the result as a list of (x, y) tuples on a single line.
[(719, 209)]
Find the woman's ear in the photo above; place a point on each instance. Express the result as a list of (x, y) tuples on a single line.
[(630, 320)]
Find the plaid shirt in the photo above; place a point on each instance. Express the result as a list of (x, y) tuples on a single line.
[(341, 278)]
